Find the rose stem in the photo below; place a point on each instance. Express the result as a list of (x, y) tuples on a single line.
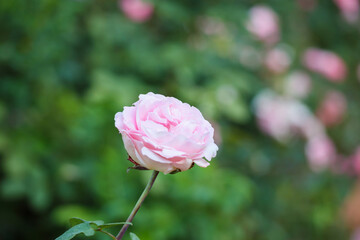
[(138, 204)]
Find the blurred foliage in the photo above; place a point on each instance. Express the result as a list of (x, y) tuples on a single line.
[(68, 66)]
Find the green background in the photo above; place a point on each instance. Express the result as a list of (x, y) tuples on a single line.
[(68, 66)]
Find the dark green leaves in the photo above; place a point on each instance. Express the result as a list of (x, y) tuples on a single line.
[(87, 228)]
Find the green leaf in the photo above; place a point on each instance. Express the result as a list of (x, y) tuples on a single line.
[(75, 221), (107, 225), (84, 228), (95, 224), (134, 237)]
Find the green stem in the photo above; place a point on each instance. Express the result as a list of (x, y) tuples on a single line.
[(138, 205), (107, 233)]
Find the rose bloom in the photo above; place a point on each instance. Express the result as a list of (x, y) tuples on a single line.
[(325, 63), (349, 9), (162, 133), (264, 24), (136, 10), (320, 152), (332, 109)]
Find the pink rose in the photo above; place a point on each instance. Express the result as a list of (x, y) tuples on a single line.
[(325, 63), (162, 133), (332, 108), (264, 24), (136, 10)]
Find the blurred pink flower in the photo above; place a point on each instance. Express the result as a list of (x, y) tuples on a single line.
[(320, 152), (312, 127), (283, 118), (358, 72), (277, 60), (298, 84), (349, 9), (136, 10), (264, 24), (332, 108), (326, 63)]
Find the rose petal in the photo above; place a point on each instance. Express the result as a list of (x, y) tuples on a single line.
[(129, 115), (153, 156), (131, 149), (154, 116), (184, 164), (119, 121), (182, 143), (153, 130), (145, 105), (170, 153), (210, 151), (201, 162)]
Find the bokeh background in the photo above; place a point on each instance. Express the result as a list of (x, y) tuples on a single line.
[(279, 81)]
